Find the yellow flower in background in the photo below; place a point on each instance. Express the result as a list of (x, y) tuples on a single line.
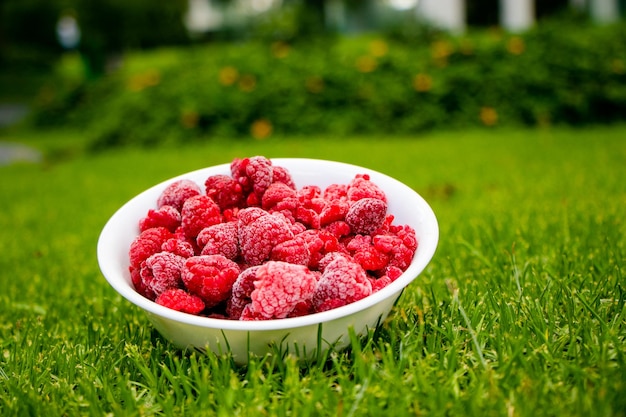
[(280, 49), (228, 76), (379, 48), (366, 64), (422, 82), (261, 129), (618, 66), (488, 116), (247, 83), (314, 84), (516, 45), (189, 119), (144, 80), (441, 50)]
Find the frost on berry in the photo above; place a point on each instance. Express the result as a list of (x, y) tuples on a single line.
[(199, 212), (336, 192), (254, 174), (342, 280), (179, 247), (294, 251), (180, 300), (225, 191), (219, 239), (162, 271), (138, 284), (165, 216), (366, 215), (281, 195), (279, 287), (210, 277), (177, 192), (362, 187), (366, 254), (400, 254), (146, 244), (282, 174), (258, 237), (241, 292)]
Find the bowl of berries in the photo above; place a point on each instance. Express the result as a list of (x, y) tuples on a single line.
[(260, 254)]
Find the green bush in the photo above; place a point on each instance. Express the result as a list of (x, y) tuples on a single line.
[(559, 73)]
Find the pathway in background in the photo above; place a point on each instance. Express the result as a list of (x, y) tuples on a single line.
[(15, 152)]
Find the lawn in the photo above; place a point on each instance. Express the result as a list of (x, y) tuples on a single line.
[(520, 313)]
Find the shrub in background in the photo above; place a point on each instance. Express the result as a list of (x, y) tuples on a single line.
[(559, 73)]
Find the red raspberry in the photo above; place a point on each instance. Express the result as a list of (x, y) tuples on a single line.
[(281, 174), (250, 214), (146, 244), (334, 211), (220, 239), (258, 238), (199, 212), (308, 217), (242, 290), (140, 287), (166, 216), (225, 191), (254, 174), (279, 287), (180, 300), (380, 283), (401, 256), (366, 254), (366, 215), (177, 192), (342, 280), (330, 304), (179, 247), (361, 187), (336, 192), (303, 308), (338, 229), (277, 193), (161, 272), (294, 251), (210, 277)]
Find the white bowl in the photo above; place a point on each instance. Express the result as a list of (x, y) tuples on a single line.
[(303, 336)]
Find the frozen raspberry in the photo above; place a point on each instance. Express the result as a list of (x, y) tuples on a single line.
[(199, 212), (250, 214), (166, 216), (338, 229), (294, 251), (366, 215), (361, 187), (177, 192), (308, 217), (303, 308), (138, 284), (258, 238), (254, 174), (380, 283), (366, 254), (210, 277), (180, 300), (334, 211), (336, 192), (179, 247), (307, 193), (225, 191), (277, 193), (330, 304), (146, 244), (282, 174), (161, 272), (220, 239), (342, 280), (241, 292), (279, 287), (400, 255)]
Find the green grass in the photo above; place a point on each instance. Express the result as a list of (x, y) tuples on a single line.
[(521, 312)]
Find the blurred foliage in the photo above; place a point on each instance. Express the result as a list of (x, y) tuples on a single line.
[(562, 72)]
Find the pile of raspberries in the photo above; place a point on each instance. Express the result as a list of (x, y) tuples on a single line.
[(252, 246)]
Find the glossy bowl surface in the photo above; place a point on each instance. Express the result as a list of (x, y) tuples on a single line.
[(302, 336)]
